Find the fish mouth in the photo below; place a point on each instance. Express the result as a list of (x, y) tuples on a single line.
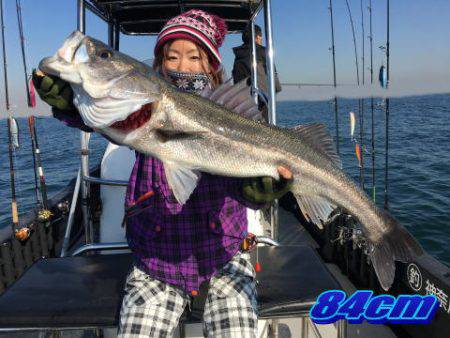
[(135, 120)]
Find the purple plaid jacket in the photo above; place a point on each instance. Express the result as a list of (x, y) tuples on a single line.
[(180, 245), (183, 245)]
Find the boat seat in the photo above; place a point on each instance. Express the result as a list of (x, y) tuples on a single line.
[(86, 291)]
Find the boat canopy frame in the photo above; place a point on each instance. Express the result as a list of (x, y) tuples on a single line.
[(149, 16)]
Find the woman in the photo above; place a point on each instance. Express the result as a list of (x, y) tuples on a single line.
[(176, 248)]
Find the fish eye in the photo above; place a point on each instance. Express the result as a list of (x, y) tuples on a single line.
[(105, 54)]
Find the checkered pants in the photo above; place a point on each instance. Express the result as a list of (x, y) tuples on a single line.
[(151, 308)]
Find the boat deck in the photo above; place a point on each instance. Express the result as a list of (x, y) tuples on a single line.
[(291, 233)]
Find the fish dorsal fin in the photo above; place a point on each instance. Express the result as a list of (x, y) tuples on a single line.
[(315, 209), (182, 181), (317, 135), (236, 97), (214, 94)]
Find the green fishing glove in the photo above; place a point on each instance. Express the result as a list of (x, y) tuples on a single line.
[(54, 91), (265, 189)]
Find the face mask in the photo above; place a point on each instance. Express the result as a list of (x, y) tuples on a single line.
[(189, 82)]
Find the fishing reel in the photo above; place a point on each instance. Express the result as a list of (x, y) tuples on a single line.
[(350, 230), (63, 206), (22, 234), (44, 215)]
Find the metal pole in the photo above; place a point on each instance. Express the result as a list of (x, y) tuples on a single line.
[(111, 33), (372, 104), (270, 61), (5, 67), (116, 36), (333, 52), (253, 69), (84, 143), (85, 187), (81, 19), (386, 178), (272, 103), (71, 218)]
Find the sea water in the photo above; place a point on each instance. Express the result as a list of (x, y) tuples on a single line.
[(418, 173)]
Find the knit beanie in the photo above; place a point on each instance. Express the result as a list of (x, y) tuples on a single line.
[(198, 26)]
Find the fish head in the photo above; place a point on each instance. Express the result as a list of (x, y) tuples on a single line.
[(111, 89)]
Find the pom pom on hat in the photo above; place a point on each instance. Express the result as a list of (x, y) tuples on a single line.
[(206, 29)]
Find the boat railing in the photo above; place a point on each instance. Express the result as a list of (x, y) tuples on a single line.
[(100, 247), (99, 180), (112, 246)]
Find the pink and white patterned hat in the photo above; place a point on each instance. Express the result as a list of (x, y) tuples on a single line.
[(196, 25)]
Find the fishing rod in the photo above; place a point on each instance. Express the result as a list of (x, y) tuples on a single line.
[(361, 100), (333, 52), (354, 41), (386, 205), (372, 103), (40, 170), (38, 162), (22, 47), (13, 131), (5, 73), (36, 188), (358, 149)]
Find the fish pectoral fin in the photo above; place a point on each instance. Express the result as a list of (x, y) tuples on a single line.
[(317, 135), (316, 209), (181, 180), (165, 135)]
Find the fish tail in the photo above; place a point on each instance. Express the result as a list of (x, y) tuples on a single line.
[(396, 245)]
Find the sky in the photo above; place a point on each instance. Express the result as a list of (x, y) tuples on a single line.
[(420, 48)]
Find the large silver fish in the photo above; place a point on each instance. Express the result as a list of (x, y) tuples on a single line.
[(129, 103)]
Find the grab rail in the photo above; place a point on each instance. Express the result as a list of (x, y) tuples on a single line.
[(266, 240), (99, 180), (101, 246)]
